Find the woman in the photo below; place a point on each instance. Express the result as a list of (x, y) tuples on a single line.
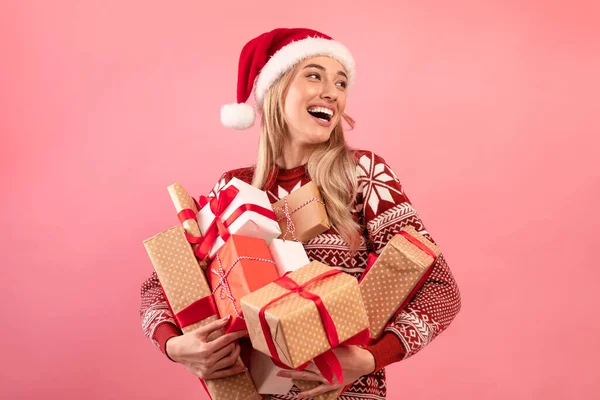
[(300, 79)]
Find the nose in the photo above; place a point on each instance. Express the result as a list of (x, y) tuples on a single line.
[(329, 91)]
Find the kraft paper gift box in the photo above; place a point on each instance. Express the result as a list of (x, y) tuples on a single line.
[(308, 385), (187, 209), (302, 214), (288, 255), (296, 333), (189, 296), (395, 276), (238, 208), (242, 265)]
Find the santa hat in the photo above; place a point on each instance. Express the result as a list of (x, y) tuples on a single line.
[(267, 57)]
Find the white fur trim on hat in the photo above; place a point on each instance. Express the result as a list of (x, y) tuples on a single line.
[(290, 55), (237, 115)]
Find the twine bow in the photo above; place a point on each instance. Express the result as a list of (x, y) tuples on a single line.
[(223, 285)]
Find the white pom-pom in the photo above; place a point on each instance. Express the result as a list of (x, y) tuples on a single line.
[(237, 115)]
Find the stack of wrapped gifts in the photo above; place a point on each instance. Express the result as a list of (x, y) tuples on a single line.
[(237, 255)]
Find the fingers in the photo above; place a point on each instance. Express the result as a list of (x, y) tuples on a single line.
[(224, 352), (222, 373), (224, 340), (204, 331), (322, 388), (228, 360), (302, 375), (215, 334)]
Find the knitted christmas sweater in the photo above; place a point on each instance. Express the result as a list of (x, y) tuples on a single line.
[(382, 208)]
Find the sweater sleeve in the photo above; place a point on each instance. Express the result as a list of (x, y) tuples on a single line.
[(158, 321), (386, 210)]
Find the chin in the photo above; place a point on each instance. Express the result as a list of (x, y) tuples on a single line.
[(319, 137)]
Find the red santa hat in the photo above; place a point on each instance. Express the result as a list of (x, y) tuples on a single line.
[(267, 57)]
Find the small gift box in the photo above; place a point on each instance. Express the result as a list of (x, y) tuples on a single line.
[(187, 209), (189, 297), (301, 214), (238, 208), (304, 314), (395, 276), (242, 265), (288, 255), (264, 374)]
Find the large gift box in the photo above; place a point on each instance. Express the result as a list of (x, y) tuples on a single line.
[(302, 214), (304, 314), (238, 208), (189, 297), (396, 275), (242, 265)]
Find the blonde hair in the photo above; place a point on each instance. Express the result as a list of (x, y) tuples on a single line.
[(331, 164)]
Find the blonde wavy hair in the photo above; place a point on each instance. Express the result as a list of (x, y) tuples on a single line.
[(331, 164)]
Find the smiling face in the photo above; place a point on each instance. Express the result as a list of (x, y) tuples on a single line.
[(315, 100)]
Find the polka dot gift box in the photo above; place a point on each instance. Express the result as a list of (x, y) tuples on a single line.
[(189, 296), (187, 209), (393, 279), (295, 325)]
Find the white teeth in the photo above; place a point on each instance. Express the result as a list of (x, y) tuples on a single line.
[(322, 110)]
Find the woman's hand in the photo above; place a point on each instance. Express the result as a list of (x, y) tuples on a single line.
[(207, 352), (355, 362)]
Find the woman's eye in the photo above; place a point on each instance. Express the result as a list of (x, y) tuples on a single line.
[(313, 75), (343, 84)]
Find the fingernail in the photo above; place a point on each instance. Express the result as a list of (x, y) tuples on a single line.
[(225, 318)]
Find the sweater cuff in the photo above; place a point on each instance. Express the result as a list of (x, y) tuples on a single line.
[(163, 332), (387, 350)]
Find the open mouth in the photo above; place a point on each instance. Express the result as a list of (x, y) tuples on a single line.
[(322, 113)]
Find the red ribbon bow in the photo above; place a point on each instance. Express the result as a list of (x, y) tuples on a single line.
[(219, 227)]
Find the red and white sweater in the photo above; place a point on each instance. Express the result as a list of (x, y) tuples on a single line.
[(382, 209)]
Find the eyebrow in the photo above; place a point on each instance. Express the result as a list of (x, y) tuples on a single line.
[(317, 66)]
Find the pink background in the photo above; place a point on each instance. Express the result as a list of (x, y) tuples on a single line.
[(487, 111)]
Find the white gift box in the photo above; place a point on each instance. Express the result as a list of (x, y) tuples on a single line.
[(288, 255), (249, 223), (264, 374)]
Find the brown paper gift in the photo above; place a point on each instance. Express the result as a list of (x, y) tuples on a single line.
[(294, 321), (308, 385), (399, 272), (184, 283), (301, 214), (182, 200)]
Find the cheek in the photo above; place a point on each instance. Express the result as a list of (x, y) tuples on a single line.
[(294, 104)]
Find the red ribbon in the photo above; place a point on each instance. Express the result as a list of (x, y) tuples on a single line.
[(327, 363), (218, 227), (197, 311), (185, 215)]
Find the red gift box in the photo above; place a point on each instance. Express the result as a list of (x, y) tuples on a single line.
[(243, 265)]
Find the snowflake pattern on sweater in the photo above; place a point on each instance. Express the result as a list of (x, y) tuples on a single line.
[(383, 209)]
